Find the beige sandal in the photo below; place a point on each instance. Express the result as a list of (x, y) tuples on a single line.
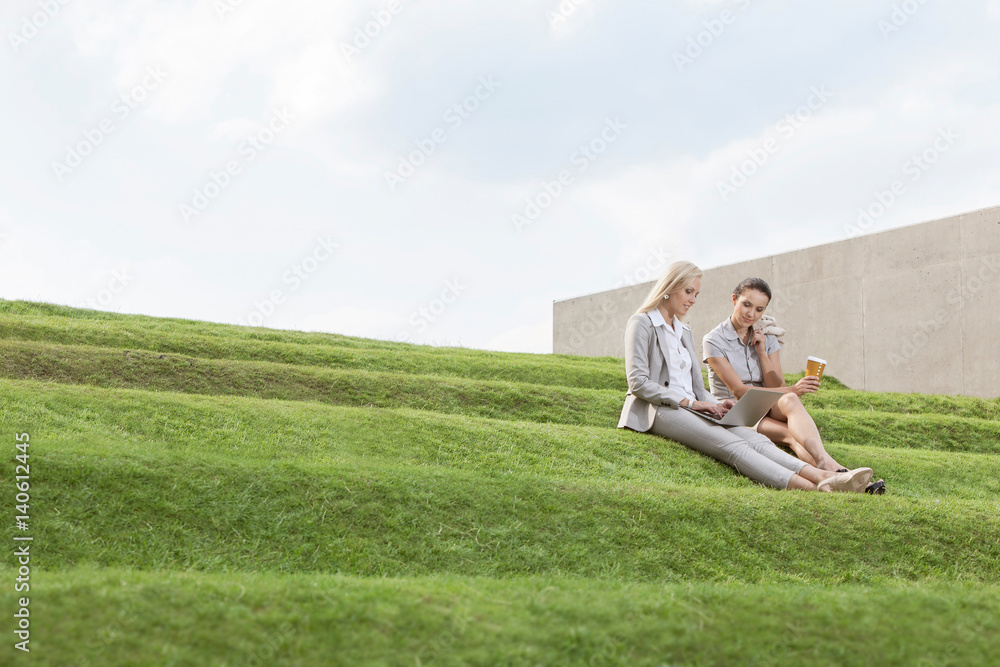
[(852, 481)]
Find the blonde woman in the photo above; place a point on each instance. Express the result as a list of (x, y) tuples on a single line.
[(664, 375)]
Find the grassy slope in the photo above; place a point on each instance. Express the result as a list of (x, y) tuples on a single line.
[(203, 340), (957, 424), (265, 619), (450, 495), (216, 524)]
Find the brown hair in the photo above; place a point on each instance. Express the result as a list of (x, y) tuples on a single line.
[(753, 284)]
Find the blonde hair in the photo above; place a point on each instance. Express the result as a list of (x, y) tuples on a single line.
[(678, 276)]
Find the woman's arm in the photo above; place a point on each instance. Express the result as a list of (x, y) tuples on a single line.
[(770, 366), (722, 368)]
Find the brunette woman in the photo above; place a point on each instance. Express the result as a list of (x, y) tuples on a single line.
[(740, 357)]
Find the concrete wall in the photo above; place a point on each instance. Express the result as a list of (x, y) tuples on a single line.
[(914, 309)]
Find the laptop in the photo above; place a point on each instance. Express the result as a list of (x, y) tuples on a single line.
[(748, 410)]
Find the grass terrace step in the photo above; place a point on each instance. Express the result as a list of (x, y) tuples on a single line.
[(146, 510), (54, 324), (895, 430), (122, 617), (221, 430), (862, 402), (476, 398), (147, 481), (105, 367)]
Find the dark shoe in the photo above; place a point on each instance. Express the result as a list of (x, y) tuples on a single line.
[(876, 488)]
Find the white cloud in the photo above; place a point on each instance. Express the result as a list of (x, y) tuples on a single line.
[(532, 337), (650, 206), (452, 217), (809, 189), (567, 19), (294, 45), (40, 265), (232, 130)]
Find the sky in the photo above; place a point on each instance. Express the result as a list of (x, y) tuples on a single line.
[(441, 172)]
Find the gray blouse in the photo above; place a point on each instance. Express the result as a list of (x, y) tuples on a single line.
[(722, 341)]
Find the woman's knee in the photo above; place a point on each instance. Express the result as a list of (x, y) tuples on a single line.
[(722, 446), (761, 443), (790, 403)]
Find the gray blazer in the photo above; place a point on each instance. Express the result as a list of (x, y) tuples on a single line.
[(646, 367)]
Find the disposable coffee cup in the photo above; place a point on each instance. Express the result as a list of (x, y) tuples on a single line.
[(815, 366)]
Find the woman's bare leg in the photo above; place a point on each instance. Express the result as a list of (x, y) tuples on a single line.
[(808, 478), (779, 434), (803, 429)]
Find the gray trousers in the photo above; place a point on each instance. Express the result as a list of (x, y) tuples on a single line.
[(741, 447)]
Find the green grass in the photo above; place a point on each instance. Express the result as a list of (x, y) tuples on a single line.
[(247, 619), (56, 324), (958, 424), (206, 494), (170, 372)]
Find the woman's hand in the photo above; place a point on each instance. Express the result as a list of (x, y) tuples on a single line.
[(727, 405), (714, 409), (807, 385), (759, 343)]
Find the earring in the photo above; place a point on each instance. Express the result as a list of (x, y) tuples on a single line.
[(666, 296)]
